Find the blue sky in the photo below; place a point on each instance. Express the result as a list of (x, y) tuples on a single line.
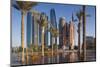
[(61, 11)]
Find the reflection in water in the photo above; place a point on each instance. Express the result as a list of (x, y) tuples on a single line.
[(49, 59), (57, 58), (72, 57), (63, 57), (43, 60), (60, 58)]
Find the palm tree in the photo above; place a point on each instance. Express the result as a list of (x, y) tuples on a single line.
[(43, 23), (27, 55), (84, 33), (79, 16), (54, 33), (18, 54), (23, 6)]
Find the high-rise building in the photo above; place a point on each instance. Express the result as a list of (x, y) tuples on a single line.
[(46, 38), (71, 31), (66, 35), (54, 24), (46, 34), (29, 29), (62, 32), (35, 28)]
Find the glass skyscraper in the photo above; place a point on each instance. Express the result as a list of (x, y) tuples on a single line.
[(54, 23), (29, 29), (32, 29)]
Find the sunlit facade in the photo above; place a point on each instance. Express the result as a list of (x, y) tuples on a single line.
[(71, 28), (63, 33)]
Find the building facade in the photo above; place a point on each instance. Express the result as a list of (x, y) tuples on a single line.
[(63, 33), (54, 24), (29, 29), (71, 31), (90, 42), (32, 29)]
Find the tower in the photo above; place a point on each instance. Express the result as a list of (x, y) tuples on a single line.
[(62, 31), (54, 23), (29, 29), (71, 30), (35, 28)]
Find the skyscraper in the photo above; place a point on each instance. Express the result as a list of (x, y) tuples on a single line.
[(71, 29), (29, 29), (63, 33), (67, 35), (35, 28), (32, 28), (54, 23), (62, 23), (46, 35)]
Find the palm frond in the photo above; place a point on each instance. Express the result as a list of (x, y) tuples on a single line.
[(79, 14), (15, 6), (88, 15), (26, 5)]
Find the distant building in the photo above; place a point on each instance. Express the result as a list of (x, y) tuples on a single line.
[(61, 25), (32, 28), (29, 29), (71, 31), (46, 35), (67, 36), (63, 33), (90, 42), (54, 23), (35, 28)]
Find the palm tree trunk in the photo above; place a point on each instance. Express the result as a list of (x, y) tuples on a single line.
[(42, 41), (26, 55), (84, 34), (18, 55), (56, 42), (52, 48), (79, 38), (22, 35)]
